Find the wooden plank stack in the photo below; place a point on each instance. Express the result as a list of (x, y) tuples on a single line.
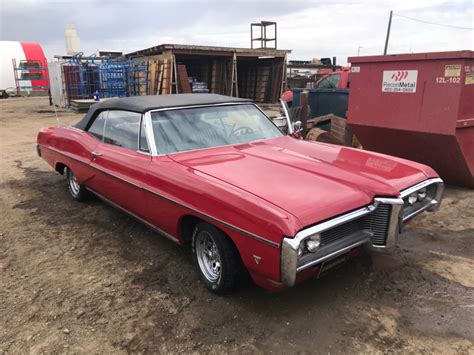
[(79, 106)]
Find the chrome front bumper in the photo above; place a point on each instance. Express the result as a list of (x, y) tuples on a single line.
[(291, 264)]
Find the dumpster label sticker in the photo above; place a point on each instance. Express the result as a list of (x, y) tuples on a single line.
[(469, 78), (452, 70), (355, 69), (450, 80), (402, 81)]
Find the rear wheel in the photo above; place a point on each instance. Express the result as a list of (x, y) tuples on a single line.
[(78, 191), (216, 258)]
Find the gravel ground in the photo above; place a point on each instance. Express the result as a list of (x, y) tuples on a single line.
[(85, 278)]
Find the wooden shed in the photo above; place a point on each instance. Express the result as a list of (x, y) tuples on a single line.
[(258, 74)]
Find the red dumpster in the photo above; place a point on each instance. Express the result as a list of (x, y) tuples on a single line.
[(419, 107)]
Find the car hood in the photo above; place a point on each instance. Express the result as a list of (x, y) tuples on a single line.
[(312, 181)]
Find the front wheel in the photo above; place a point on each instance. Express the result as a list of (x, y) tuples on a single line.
[(216, 258), (78, 191)]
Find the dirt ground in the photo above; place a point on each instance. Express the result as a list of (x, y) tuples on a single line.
[(85, 278)]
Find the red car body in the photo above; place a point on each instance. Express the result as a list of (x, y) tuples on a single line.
[(259, 193), (339, 79)]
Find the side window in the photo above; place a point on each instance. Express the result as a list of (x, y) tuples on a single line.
[(122, 129), (331, 82), (143, 142), (97, 127)]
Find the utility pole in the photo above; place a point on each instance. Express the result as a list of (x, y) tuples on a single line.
[(358, 50), (388, 32)]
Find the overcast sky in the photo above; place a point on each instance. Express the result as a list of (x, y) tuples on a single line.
[(309, 28)]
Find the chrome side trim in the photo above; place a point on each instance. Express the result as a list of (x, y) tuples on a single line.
[(249, 234), (228, 225), (131, 214), (65, 155)]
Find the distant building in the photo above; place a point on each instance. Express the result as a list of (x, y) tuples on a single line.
[(257, 74), (20, 53)]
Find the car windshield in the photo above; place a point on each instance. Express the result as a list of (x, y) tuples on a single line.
[(210, 126)]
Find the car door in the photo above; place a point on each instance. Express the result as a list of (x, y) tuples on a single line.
[(121, 160)]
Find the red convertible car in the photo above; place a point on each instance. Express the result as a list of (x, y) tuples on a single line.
[(214, 172)]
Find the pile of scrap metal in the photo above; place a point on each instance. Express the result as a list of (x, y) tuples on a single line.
[(327, 128)]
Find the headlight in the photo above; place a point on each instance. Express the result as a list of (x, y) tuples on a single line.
[(425, 197), (413, 198), (312, 243), (422, 195)]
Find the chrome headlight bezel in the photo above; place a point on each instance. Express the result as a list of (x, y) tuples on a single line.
[(426, 195)]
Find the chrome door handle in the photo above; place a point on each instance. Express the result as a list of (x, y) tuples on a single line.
[(96, 154)]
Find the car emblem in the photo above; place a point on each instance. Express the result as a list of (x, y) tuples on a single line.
[(257, 259)]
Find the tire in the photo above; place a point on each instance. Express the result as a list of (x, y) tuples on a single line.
[(77, 191), (216, 258)]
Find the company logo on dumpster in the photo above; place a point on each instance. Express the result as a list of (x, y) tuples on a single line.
[(402, 81), (398, 76)]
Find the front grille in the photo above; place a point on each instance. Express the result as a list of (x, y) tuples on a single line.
[(375, 222), (334, 234)]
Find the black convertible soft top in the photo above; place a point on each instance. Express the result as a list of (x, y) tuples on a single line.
[(143, 104)]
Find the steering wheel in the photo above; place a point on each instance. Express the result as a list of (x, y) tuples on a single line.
[(241, 131)]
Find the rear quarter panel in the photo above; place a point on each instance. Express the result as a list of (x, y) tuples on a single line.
[(68, 146)]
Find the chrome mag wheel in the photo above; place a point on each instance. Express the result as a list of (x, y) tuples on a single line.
[(73, 184), (78, 191), (208, 256)]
